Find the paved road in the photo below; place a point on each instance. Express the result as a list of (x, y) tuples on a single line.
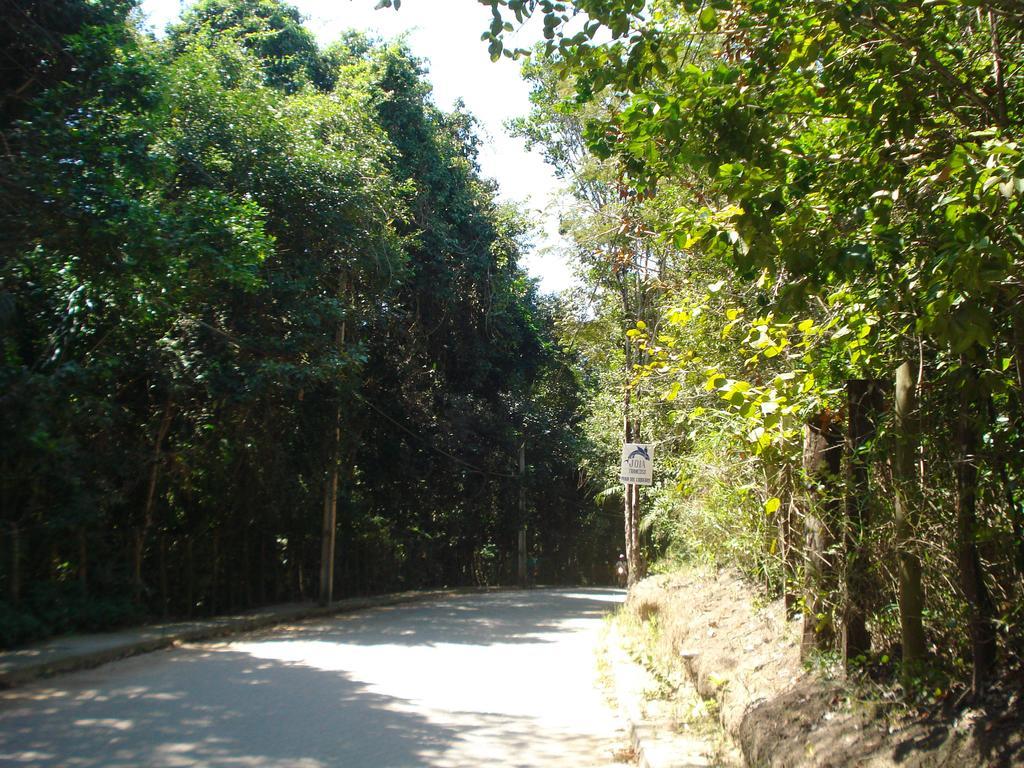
[(503, 679)]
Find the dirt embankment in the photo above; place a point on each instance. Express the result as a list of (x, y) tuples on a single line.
[(747, 657)]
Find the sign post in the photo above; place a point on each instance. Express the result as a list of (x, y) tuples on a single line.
[(637, 467)]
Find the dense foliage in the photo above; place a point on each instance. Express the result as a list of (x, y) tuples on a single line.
[(248, 284), (821, 202)]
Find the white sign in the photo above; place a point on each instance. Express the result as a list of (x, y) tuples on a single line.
[(637, 464)]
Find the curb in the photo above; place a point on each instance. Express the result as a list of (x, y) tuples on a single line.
[(628, 698), (150, 638), (651, 746)]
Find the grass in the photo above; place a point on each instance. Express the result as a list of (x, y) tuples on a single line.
[(644, 638)]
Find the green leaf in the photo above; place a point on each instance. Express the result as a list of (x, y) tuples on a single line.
[(708, 19), (714, 381)]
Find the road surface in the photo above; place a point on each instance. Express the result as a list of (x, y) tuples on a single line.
[(501, 679)]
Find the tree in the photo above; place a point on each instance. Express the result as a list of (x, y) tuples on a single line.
[(861, 161), (241, 275)]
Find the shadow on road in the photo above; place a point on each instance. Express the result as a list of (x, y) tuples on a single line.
[(497, 618), (239, 704), (237, 710)]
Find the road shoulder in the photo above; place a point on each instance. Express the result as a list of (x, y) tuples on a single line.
[(72, 653), (669, 724)]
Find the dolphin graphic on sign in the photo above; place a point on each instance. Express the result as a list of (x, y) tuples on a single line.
[(637, 467), (640, 450)]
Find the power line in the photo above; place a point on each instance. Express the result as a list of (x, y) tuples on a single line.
[(430, 445)]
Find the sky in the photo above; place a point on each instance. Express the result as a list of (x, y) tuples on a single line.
[(446, 33)]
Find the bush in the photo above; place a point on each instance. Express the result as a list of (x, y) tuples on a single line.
[(55, 608), (17, 627)]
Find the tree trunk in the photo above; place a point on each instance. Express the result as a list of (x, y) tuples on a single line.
[(83, 561), (246, 570), (631, 509), (521, 548), (779, 484), (261, 588), (214, 581), (864, 401), (1018, 345), (232, 573), (15, 582), (789, 546), (998, 79), (972, 576), (330, 517), (630, 431), (330, 521), (138, 537), (822, 457), (911, 596), (164, 594), (190, 576), (1016, 515), (639, 569), (147, 512)]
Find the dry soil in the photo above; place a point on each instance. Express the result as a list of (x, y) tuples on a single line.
[(745, 655)]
